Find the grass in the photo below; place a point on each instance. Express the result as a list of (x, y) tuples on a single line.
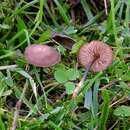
[(46, 94)]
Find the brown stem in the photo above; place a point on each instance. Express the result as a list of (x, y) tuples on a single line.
[(17, 108), (79, 86), (16, 113), (113, 125), (73, 15)]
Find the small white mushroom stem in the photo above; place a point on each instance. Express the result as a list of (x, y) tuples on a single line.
[(79, 85)]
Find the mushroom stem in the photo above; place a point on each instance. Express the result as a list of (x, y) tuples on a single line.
[(41, 74), (79, 85)]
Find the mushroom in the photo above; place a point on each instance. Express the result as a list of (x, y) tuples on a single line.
[(42, 55), (96, 53), (96, 56)]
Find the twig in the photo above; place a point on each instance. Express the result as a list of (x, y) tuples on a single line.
[(51, 84), (8, 67), (96, 127), (62, 95), (73, 15), (16, 114), (17, 107), (111, 128), (124, 98), (110, 84), (105, 5)]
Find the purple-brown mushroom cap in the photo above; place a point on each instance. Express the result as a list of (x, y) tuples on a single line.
[(97, 53), (42, 55)]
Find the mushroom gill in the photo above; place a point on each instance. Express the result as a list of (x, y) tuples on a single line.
[(96, 53)]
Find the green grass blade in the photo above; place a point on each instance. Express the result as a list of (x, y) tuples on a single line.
[(121, 10), (19, 10), (26, 75), (40, 12), (40, 83), (62, 12), (109, 19), (105, 110), (2, 124), (28, 36), (86, 87), (95, 97), (127, 15), (17, 35), (9, 53), (113, 19), (21, 26), (87, 9), (18, 94), (87, 25), (50, 14)]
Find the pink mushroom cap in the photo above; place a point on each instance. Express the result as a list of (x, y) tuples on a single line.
[(42, 55), (97, 53)]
